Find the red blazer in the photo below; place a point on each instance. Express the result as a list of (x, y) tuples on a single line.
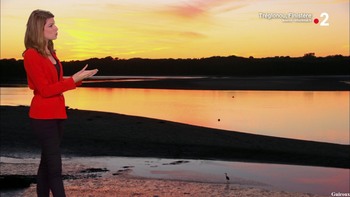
[(48, 101)]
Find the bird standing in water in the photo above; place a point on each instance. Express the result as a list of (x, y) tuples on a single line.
[(227, 178)]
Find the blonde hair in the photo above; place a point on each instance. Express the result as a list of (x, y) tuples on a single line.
[(34, 36)]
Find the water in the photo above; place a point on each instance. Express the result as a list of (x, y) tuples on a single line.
[(309, 115)]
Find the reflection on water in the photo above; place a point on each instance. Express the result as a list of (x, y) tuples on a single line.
[(311, 115)]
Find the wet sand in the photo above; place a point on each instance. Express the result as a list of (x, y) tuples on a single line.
[(82, 179)]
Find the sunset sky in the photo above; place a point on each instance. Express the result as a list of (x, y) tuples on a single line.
[(181, 29)]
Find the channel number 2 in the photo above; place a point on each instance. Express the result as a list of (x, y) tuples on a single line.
[(325, 17)]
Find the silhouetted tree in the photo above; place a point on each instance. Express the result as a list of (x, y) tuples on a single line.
[(309, 64)]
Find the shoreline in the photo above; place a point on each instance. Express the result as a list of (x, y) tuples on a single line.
[(108, 176), (124, 184), (270, 83)]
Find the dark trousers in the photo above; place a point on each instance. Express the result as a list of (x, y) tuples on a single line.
[(49, 177)]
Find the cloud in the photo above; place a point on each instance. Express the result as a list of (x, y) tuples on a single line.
[(200, 8), (185, 11)]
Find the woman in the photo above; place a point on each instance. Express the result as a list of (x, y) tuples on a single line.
[(47, 110)]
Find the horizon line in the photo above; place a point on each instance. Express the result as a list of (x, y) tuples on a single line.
[(310, 55)]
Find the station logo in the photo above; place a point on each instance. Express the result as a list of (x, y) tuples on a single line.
[(292, 17)]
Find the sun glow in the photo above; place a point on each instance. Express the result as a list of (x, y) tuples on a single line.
[(173, 29)]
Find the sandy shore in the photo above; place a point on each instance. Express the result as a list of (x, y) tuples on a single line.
[(131, 186), (82, 180)]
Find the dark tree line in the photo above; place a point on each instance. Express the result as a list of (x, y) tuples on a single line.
[(309, 64)]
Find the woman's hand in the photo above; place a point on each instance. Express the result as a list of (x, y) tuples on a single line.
[(83, 74)]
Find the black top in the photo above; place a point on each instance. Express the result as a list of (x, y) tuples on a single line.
[(57, 66)]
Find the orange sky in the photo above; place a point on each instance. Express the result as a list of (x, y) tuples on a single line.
[(181, 29)]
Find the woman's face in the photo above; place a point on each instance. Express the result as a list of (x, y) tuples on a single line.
[(50, 29)]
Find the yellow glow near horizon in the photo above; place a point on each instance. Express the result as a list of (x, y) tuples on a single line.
[(176, 29)]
